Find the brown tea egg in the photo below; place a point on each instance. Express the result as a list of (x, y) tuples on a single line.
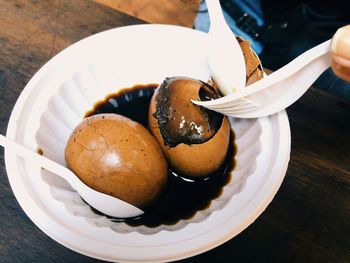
[(193, 139), (117, 156)]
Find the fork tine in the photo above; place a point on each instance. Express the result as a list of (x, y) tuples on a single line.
[(241, 109), (233, 112), (214, 103), (223, 101), (244, 106), (241, 103), (233, 103), (218, 107)]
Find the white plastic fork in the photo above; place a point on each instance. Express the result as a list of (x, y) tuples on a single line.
[(278, 90)]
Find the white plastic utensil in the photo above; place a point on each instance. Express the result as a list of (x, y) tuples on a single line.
[(278, 90), (106, 204), (224, 53)]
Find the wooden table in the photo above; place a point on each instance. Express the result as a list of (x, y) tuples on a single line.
[(309, 219)]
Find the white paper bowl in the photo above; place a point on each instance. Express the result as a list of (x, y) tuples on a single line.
[(54, 102)]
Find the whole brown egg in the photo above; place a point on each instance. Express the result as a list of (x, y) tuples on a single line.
[(117, 156)]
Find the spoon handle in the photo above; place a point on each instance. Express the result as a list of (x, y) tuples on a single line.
[(106, 204), (225, 57), (38, 159), (216, 15)]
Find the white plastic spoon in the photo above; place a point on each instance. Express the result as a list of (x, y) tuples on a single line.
[(104, 203), (225, 57)]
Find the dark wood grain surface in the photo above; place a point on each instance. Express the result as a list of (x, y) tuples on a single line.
[(308, 220)]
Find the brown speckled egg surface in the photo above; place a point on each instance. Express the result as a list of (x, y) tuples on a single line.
[(117, 156)]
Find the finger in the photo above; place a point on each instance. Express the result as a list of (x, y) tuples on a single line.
[(340, 46), (341, 71)]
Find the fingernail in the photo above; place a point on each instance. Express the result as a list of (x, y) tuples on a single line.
[(341, 43)]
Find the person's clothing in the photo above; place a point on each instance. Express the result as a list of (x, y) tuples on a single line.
[(281, 30), (202, 20)]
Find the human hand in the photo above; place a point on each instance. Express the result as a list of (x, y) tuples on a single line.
[(340, 50)]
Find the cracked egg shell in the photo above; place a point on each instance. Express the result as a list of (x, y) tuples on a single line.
[(194, 140), (117, 156)]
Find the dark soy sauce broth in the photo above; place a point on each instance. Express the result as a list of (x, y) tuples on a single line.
[(183, 196)]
